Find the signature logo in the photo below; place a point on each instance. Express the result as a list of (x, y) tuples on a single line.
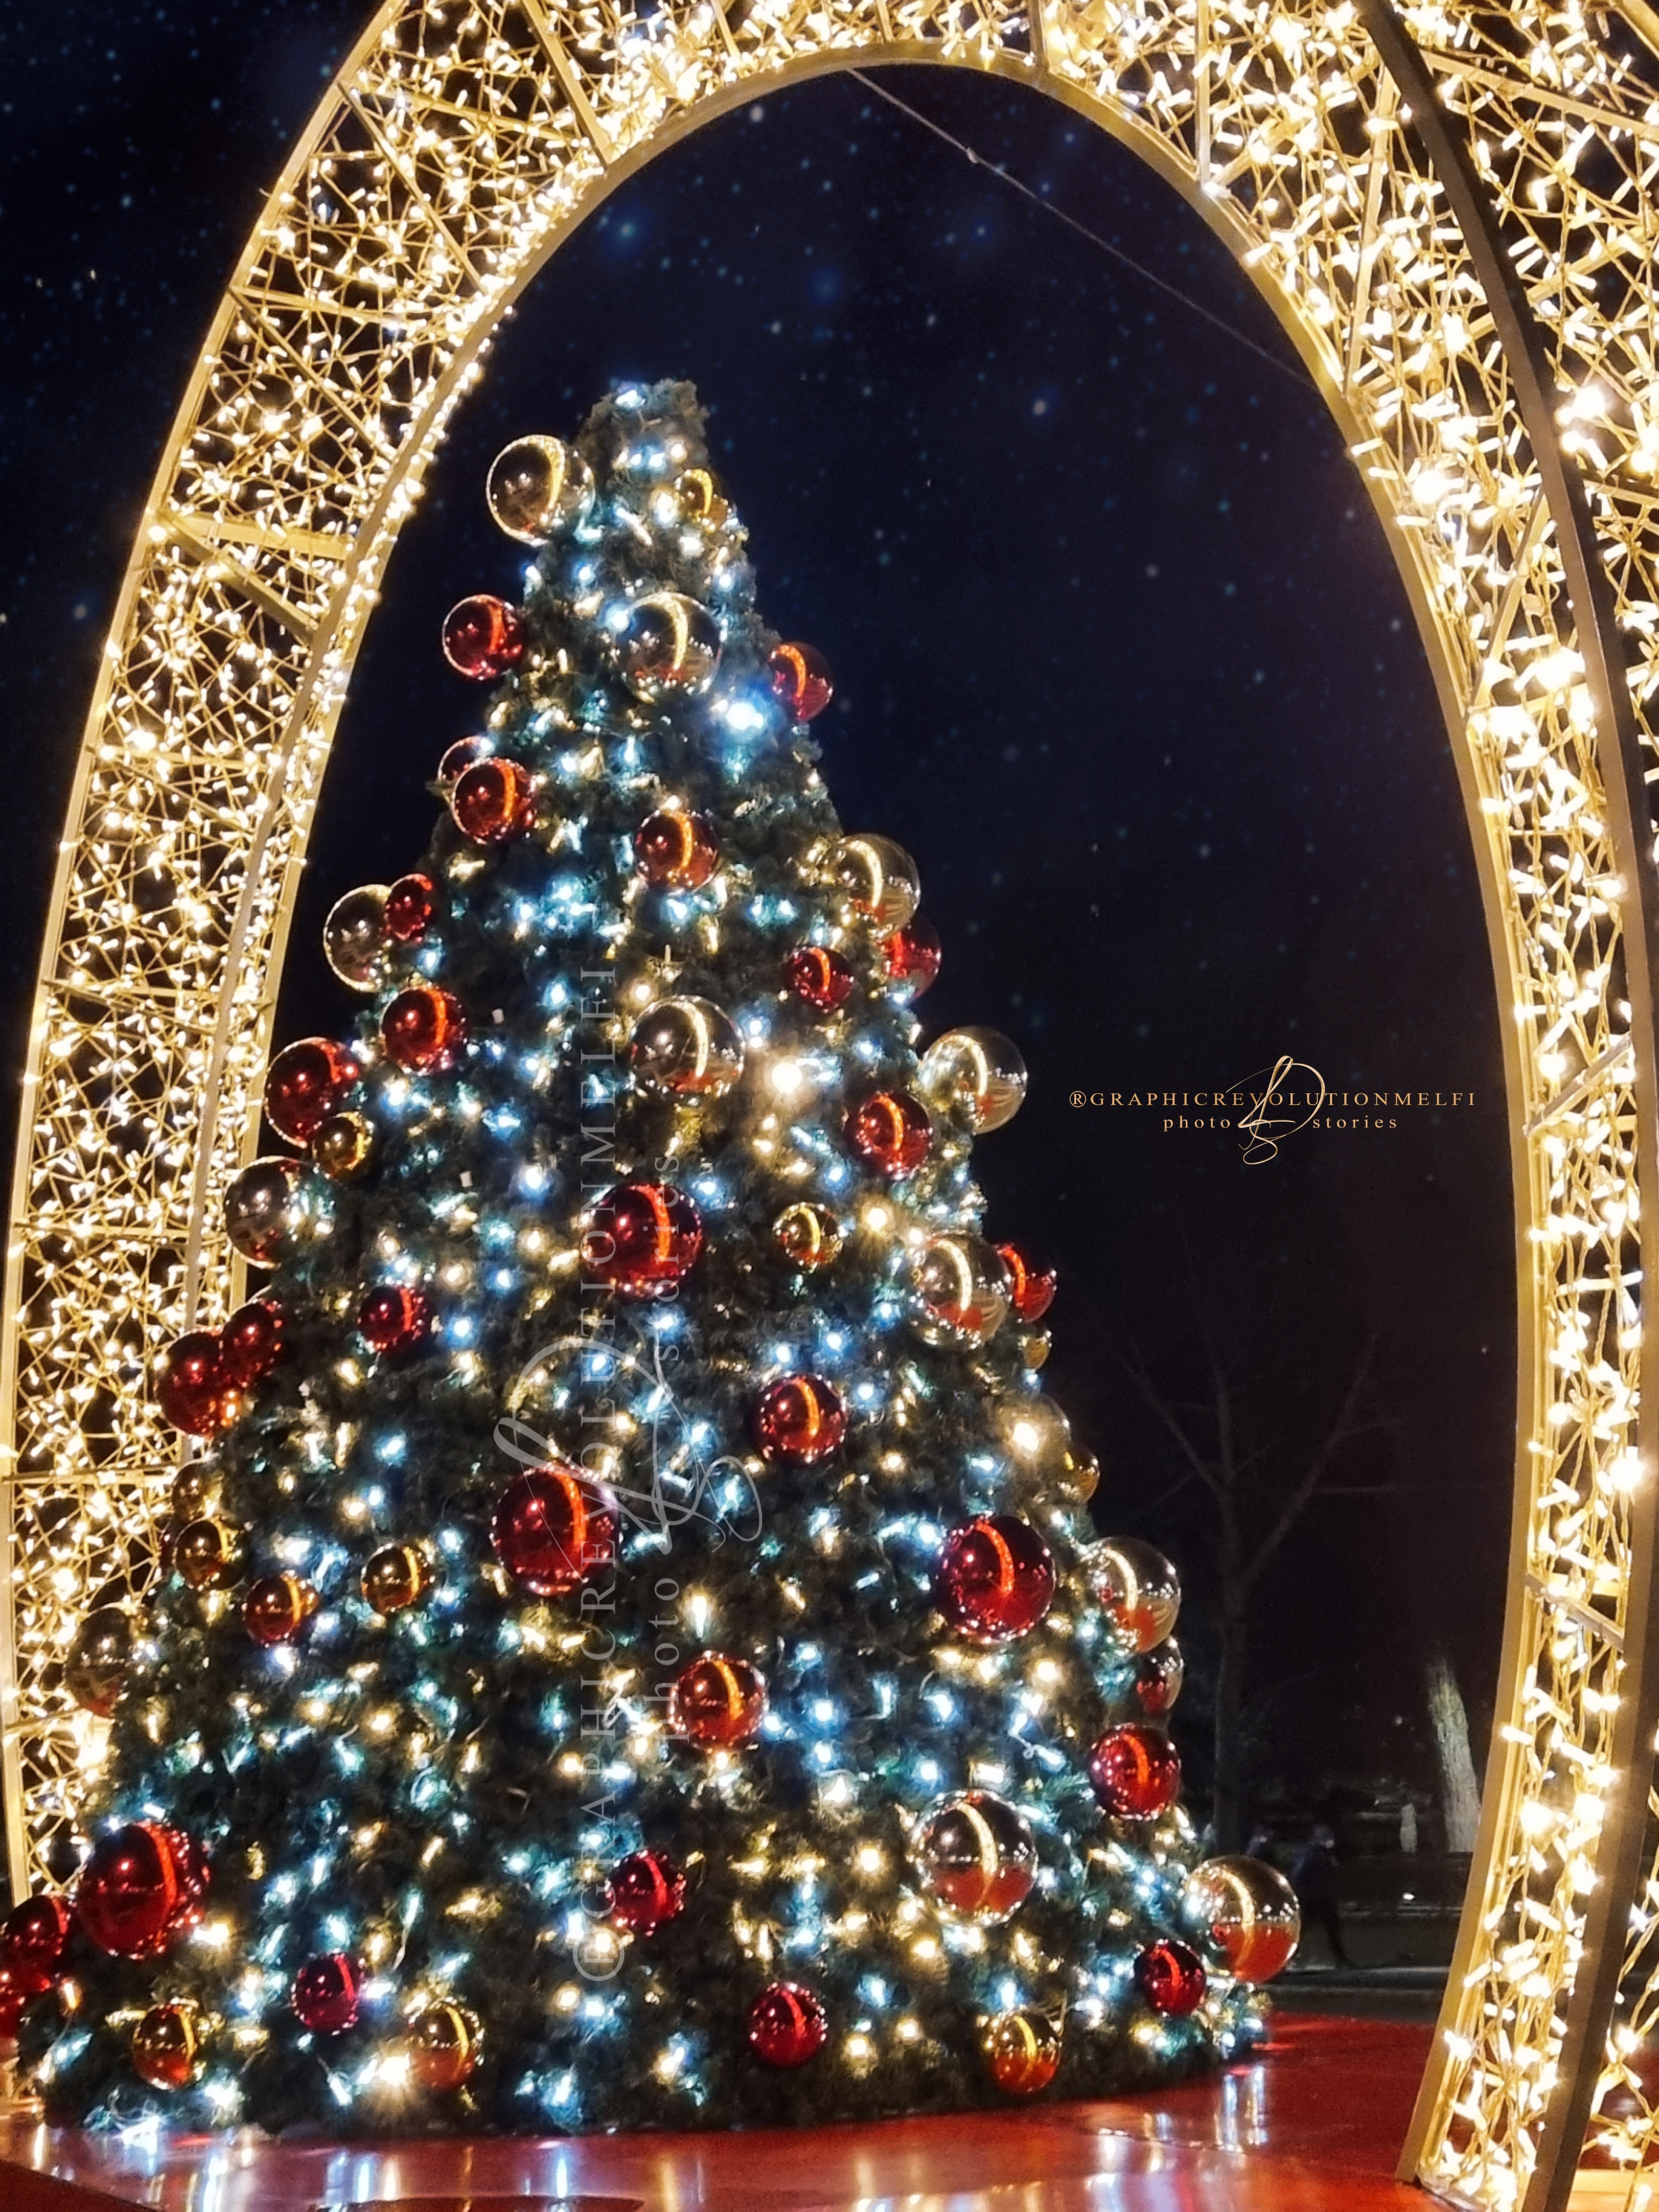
[(1273, 1115)]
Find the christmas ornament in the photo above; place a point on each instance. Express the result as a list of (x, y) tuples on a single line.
[(799, 1420), (465, 753), (1135, 1772), (643, 1237), (190, 1385), (483, 638), (699, 497), (959, 1291), (1032, 1286), (424, 1028), (397, 1575), (328, 1993), (1243, 1917), (646, 1889), (34, 1936), (685, 1048), (913, 955), (551, 1529), (717, 1702), (206, 1554), (274, 1208), (354, 938), (995, 1579), (251, 1342), (304, 1084), (977, 1857), (194, 1489), (494, 800), (889, 1132), (14, 1995), (1171, 1978), (787, 2025), (167, 2046), (443, 2046), (392, 1318), (801, 682), (809, 1234), (1023, 2050), (668, 648), (538, 487), (410, 906), (1035, 1429), (1157, 1678), (978, 1073), (1081, 1474), (277, 1609), (139, 1891), (341, 1148), (95, 1672), (821, 979), (879, 879), (1138, 1590), (677, 852)]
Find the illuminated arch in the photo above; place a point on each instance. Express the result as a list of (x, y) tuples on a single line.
[(1455, 217)]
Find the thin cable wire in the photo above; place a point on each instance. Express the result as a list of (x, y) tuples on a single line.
[(1082, 229)]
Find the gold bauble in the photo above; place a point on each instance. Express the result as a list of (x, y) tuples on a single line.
[(443, 2044), (342, 1146), (194, 1489), (167, 2046), (699, 497), (809, 1234), (1023, 2048), (396, 1576), (207, 1555)]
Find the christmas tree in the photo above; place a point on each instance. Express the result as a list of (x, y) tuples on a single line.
[(632, 1649)]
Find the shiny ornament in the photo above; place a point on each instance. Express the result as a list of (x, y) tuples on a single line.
[(1171, 1978), (669, 648), (393, 1318), (395, 1577), (251, 1342), (1137, 1589), (1035, 1429), (808, 1235), (14, 1995), (1032, 1286), (206, 1554), (979, 1072), (799, 1420), (277, 1609), (194, 1489), (465, 753), (959, 1291), (304, 1084), (190, 1385), (685, 1048), (342, 1147), (33, 1937), (717, 1702), (551, 1528), (443, 2044), (327, 1993), (274, 1209), (879, 879), (1243, 1917), (996, 1578), (675, 851), (819, 978), (801, 682), (354, 938), (424, 1028), (646, 1889), (977, 1857), (536, 486), (913, 956), (699, 496), (1135, 1773), (483, 638), (1158, 1675), (95, 1672), (1079, 1472), (493, 801), (411, 904), (167, 2046), (139, 1891), (643, 1238), (889, 1132), (1022, 2049), (787, 2025)]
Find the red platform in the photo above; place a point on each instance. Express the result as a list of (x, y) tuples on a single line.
[(1313, 2123)]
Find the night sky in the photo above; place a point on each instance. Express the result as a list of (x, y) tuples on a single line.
[(1123, 659)]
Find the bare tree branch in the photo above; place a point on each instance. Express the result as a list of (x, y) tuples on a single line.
[(1342, 1431)]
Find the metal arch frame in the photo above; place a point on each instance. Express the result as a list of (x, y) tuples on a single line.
[(460, 141)]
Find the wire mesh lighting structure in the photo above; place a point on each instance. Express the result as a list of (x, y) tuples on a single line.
[(1454, 213)]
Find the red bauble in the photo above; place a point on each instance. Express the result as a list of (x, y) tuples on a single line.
[(822, 978), (409, 906), (139, 1891), (1135, 1772), (551, 1529), (801, 682), (787, 2025), (482, 637), (1158, 1676), (914, 954), (889, 1132), (717, 1702), (392, 1318), (189, 1384), (494, 800), (644, 1237), (460, 756), (14, 1993), (277, 1609), (1031, 1286), (424, 1028), (799, 1420), (646, 1889), (677, 852), (305, 1084), (1171, 1978), (251, 1341), (996, 1578), (33, 1938), (327, 1993)]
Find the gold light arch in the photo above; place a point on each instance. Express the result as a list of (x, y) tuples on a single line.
[(1454, 212)]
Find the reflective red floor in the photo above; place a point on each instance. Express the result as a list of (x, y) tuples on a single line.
[(1312, 2124)]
